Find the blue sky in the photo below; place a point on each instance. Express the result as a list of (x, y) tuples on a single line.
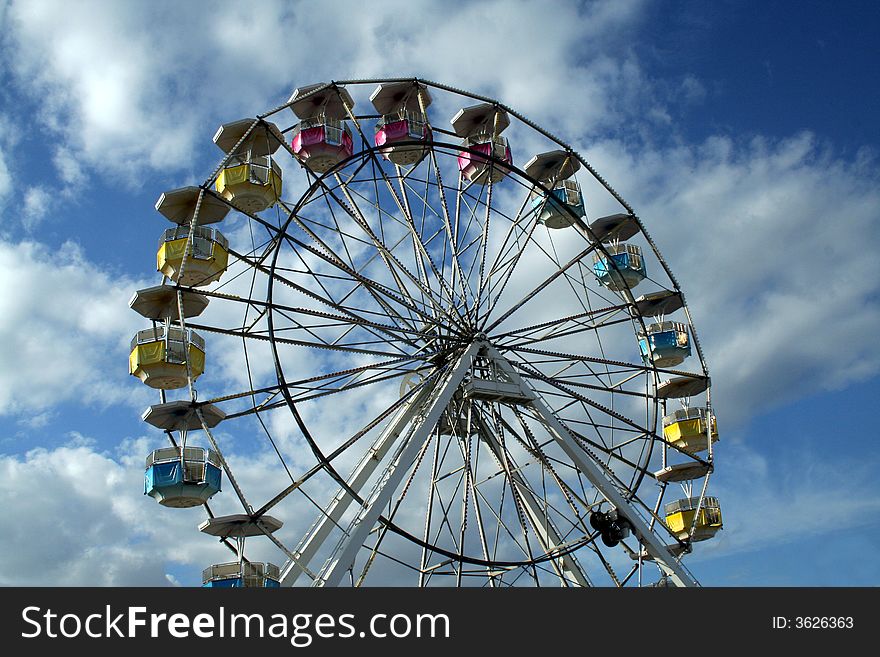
[(742, 132)]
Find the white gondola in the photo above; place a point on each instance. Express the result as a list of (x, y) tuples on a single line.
[(160, 302), (179, 206)]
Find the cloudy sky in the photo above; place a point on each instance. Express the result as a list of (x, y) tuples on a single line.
[(744, 133)]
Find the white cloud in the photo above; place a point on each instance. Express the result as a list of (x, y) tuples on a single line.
[(5, 179), (104, 531), (69, 168), (64, 328), (786, 502), (37, 204), (773, 242), (5, 176), (133, 86), (81, 500)]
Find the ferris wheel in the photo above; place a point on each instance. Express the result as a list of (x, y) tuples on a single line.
[(449, 368)]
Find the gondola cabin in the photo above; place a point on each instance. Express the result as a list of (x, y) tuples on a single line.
[(246, 574), (623, 267), (395, 135), (561, 207), (484, 151), (689, 429), (322, 139), (206, 258), (159, 356), (182, 483), (684, 515), (402, 133), (665, 344), (563, 204), (480, 162), (250, 179)]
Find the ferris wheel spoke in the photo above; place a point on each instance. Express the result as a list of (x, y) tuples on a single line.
[(429, 297), (541, 286), (383, 529), (543, 332), (386, 255), (393, 266), (424, 244), (421, 245), (328, 519), (478, 516), (506, 257), (512, 248), (566, 389), (329, 302), (465, 231), (292, 341), (536, 450), (347, 317), (382, 295), (511, 473), (605, 465), (328, 254), (533, 504), (456, 274), (581, 371)]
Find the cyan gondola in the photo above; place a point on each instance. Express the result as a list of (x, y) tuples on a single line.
[(623, 267), (182, 482), (564, 203), (245, 574), (665, 344)]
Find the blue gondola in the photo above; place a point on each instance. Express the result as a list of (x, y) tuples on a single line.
[(247, 574), (624, 267), (182, 484), (564, 204), (665, 344)]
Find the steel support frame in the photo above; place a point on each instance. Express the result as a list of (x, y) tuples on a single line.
[(421, 416), (656, 548), (425, 418), (547, 534)]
